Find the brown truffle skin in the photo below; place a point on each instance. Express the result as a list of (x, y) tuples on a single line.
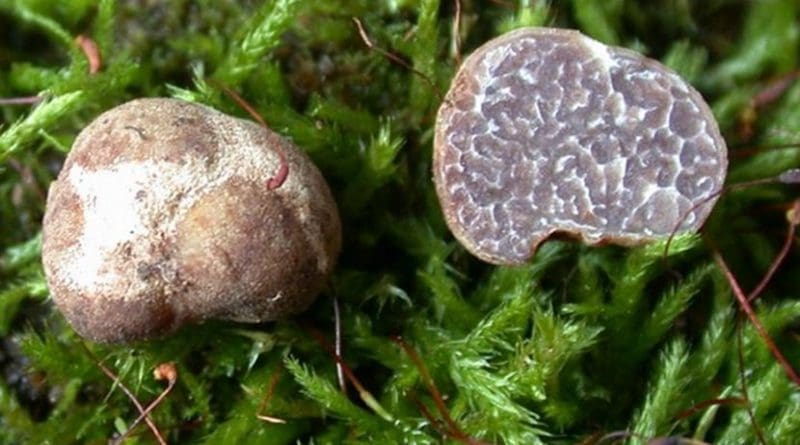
[(162, 215), (545, 131)]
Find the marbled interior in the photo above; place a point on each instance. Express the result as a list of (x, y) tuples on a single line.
[(549, 131)]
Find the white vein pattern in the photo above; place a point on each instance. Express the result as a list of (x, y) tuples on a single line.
[(549, 131)]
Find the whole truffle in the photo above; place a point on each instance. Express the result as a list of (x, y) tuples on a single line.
[(162, 215), (547, 131)]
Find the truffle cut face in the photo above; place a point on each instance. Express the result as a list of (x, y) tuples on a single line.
[(162, 215), (546, 130)]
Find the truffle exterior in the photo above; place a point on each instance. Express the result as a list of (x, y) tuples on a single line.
[(547, 131), (162, 215)]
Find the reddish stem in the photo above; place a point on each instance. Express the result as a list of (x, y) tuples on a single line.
[(616, 435), (24, 100), (164, 371), (273, 382), (454, 431), (91, 51), (428, 380), (435, 423), (793, 216), (694, 409), (504, 4), (728, 188), (130, 395), (743, 379), (769, 94), (393, 57), (346, 369), (774, 90), (747, 151), (748, 310)]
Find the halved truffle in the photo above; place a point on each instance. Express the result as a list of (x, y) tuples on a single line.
[(547, 131)]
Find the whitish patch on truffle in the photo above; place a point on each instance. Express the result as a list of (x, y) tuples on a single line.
[(162, 215)]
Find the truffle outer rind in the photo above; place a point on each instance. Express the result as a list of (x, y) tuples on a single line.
[(162, 215), (547, 131)]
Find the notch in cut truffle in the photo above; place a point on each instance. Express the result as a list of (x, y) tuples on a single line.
[(162, 215), (547, 131)]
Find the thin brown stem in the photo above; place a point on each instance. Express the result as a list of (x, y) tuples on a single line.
[(164, 371), (23, 100), (428, 380), (365, 395), (793, 216), (393, 57), (454, 431), (697, 407), (91, 51), (504, 4), (28, 178), (775, 89), (110, 374), (767, 95), (743, 380), (273, 382), (782, 178), (591, 439), (747, 150), (615, 436), (748, 310), (435, 423)]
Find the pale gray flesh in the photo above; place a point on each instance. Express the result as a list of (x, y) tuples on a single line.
[(548, 131)]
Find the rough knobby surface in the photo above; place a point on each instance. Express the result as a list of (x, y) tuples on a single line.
[(545, 131), (162, 215)]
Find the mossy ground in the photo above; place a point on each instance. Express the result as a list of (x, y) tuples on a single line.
[(580, 343)]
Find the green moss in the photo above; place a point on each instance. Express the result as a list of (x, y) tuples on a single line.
[(579, 343)]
